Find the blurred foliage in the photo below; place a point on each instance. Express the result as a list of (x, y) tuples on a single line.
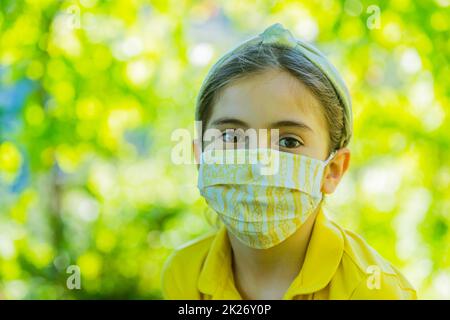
[(90, 92)]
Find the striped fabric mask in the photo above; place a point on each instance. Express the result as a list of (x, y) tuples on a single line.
[(261, 195)]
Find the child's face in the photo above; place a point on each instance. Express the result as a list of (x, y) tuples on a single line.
[(274, 100)]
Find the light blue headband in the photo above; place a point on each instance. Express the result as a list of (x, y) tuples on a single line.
[(277, 34)]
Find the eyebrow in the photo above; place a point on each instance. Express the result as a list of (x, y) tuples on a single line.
[(290, 123), (283, 123), (222, 121)]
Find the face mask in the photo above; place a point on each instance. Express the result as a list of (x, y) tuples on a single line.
[(261, 195)]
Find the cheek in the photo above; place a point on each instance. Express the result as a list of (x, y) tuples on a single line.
[(317, 146), (320, 142)]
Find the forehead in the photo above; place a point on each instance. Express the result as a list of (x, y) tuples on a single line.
[(271, 96)]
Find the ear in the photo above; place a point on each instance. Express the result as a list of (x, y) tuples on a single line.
[(335, 170)]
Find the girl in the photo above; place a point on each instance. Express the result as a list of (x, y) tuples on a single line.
[(275, 241)]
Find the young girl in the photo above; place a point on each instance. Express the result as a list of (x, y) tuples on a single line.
[(276, 241)]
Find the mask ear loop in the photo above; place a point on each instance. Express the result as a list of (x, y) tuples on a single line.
[(326, 162), (330, 157)]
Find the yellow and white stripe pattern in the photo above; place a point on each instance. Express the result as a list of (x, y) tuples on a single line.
[(261, 209)]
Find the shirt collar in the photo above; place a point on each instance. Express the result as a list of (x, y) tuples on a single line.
[(322, 259), (217, 268)]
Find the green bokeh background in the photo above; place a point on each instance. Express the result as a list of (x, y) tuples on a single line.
[(91, 91)]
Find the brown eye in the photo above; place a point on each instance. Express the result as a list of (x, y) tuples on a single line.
[(229, 137), (289, 143), (232, 136)]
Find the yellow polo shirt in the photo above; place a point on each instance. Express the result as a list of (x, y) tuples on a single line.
[(338, 265)]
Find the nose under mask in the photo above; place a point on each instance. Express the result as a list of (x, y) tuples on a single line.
[(263, 196)]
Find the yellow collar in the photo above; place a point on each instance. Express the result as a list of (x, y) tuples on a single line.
[(322, 259)]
